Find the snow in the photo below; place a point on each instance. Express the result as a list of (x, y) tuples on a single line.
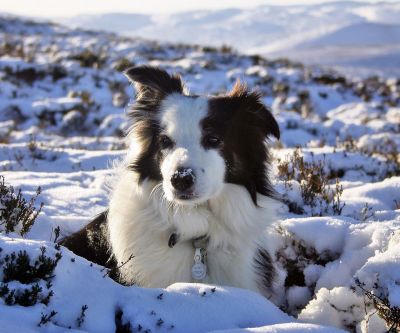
[(313, 230), (289, 328), (64, 134), (386, 263), (297, 297), (353, 113), (380, 195), (364, 33), (334, 307), (185, 307), (55, 104), (358, 36)]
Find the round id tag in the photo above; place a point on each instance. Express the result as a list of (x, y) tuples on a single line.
[(199, 270)]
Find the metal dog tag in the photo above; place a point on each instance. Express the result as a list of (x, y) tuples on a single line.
[(199, 269)]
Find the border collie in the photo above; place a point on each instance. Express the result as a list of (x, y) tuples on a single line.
[(192, 200)]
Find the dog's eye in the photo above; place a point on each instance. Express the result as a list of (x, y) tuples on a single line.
[(212, 141), (165, 142)]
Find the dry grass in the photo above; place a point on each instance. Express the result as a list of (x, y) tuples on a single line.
[(314, 182), (390, 314)]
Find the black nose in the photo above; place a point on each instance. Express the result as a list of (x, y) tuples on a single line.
[(183, 179)]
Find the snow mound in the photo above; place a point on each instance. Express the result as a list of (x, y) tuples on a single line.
[(180, 307)]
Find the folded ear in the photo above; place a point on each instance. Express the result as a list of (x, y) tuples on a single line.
[(256, 112), (151, 82)]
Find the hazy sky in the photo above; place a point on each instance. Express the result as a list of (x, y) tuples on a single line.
[(57, 8)]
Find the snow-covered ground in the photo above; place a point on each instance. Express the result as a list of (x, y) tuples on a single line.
[(62, 101)]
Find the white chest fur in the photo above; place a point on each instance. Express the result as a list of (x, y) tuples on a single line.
[(140, 221)]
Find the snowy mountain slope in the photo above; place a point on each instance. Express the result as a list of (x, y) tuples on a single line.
[(62, 101), (359, 34), (285, 31), (363, 48), (251, 26), (117, 22)]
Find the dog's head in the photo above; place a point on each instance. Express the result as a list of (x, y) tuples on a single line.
[(193, 145)]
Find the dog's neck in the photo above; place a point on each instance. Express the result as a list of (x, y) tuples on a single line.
[(198, 242), (231, 212)]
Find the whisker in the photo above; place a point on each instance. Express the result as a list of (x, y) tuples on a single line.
[(156, 188)]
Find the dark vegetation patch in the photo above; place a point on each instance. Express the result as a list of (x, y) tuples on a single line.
[(388, 312), (90, 59), (314, 182), (29, 75), (16, 213)]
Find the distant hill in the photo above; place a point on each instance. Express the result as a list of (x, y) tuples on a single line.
[(343, 29), (116, 22), (359, 34)]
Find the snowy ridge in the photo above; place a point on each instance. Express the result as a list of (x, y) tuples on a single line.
[(62, 96), (296, 31)]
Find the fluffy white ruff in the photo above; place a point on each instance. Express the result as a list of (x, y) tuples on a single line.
[(141, 220)]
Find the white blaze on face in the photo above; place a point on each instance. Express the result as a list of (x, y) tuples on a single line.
[(180, 118)]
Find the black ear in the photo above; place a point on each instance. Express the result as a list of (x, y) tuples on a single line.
[(153, 82), (264, 116), (256, 113), (270, 124)]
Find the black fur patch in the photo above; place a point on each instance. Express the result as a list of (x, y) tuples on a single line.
[(151, 81), (91, 243), (147, 164), (120, 326), (264, 269), (243, 123), (152, 86)]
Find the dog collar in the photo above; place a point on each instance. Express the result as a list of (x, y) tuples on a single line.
[(200, 242), (199, 268)]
